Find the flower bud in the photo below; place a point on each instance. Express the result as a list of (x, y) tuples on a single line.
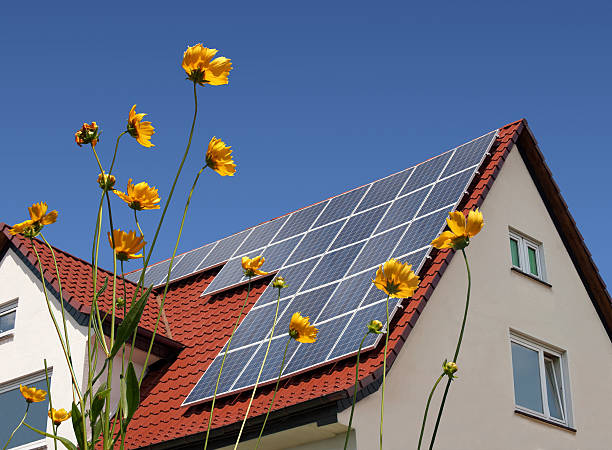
[(375, 326), (106, 182), (279, 283), (449, 368), (88, 134)]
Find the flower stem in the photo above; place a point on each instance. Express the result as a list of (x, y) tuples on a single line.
[(229, 343), (348, 428), (260, 370), (17, 427), (50, 402), (382, 403), (427, 409), (110, 171), (109, 369), (280, 373), (450, 379)]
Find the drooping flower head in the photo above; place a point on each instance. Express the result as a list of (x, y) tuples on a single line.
[(219, 157), (38, 219), (126, 244), (301, 330), (375, 326), (202, 69), (396, 279), (59, 415), (251, 266), (106, 181), (88, 134), (139, 129), (140, 196), (31, 394), (460, 231)]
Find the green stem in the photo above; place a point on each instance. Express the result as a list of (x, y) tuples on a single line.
[(16, 428), (93, 148), (110, 171), (227, 347), (260, 371), (109, 370), (348, 428), (50, 402), (450, 379), (427, 409), (382, 403), (280, 373), (141, 233), (163, 299)]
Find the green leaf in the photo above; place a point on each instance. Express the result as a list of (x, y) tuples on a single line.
[(69, 445), (96, 433), (130, 322), (123, 398), (98, 402), (77, 425), (133, 390)]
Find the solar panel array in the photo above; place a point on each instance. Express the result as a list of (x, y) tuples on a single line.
[(328, 253)]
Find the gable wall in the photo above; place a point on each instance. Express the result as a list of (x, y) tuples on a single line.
[(480, 407)]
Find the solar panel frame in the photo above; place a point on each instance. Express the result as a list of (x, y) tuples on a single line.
[(367, 301)]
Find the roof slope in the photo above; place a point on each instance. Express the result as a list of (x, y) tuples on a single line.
[(77, 285)]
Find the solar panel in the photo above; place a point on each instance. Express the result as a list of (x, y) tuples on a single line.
[(328, 254)]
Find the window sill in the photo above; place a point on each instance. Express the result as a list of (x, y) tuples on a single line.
[(528, 275), (542, 419), (7, 335)]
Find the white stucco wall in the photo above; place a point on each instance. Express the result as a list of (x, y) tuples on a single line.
[(479, 412), (34, 338)]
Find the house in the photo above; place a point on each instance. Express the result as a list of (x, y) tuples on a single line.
[(534, 370)]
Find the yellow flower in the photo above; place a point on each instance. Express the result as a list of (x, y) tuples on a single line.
[(140, 196), (460, 232), (59, 415), (301, 330), (219, 157), (202, 69), (126, 244), (88, 134), (38, 219), (106, 182), (396, 279), (31, 394), (251, 266), (374, 326), (142, 131)]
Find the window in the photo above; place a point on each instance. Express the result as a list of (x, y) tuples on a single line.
[(527, 255), (539, 380), (12, 408), (8, 312)]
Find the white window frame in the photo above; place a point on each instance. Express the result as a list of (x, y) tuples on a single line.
[(523, 244), (27, 380), (5, 309), (546, 352)]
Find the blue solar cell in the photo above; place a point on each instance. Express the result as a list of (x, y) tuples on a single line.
[(402, 210), (224, 249), (421, 232), (133, 276), (414, 259), (273, 362), (333, 266), (308, 355), (234, 363), (469, 154), (230, 274), (352, 336), (190, 262), (257, 323), (447, 192), (377, 250), (308, 304), (341, 206), (426, 173), (347, 297), (294, 276), (300, 221), (156, 273), (276, 254), (315, 242), (359, 227), (261, 235), (384, 190)]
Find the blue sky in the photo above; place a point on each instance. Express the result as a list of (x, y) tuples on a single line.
[(325, 96)]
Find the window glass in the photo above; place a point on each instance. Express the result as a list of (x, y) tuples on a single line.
[(7, 321), (12, 409), (527, 385), (533, 261), (553, 389), (514, 250)]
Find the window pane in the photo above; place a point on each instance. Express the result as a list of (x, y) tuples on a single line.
[(515, 253), (526, 370), (533, 261), (7, 321), (12, 408), (553, 391)]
